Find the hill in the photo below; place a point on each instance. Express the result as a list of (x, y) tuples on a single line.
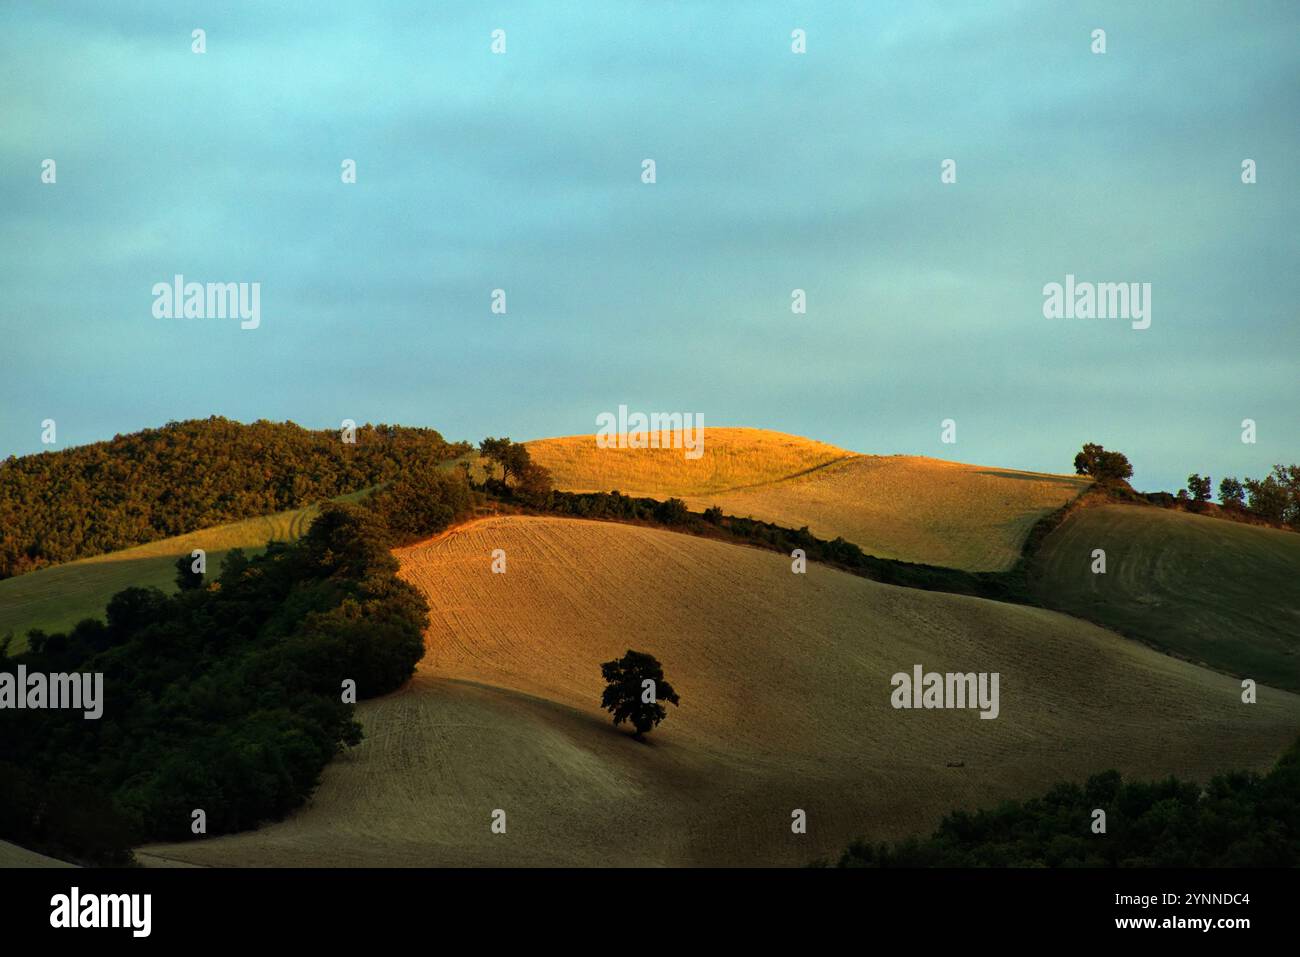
[(732, 458), (1212, 591), (904, 507), (158, 483), (54, 599), (785, 683)]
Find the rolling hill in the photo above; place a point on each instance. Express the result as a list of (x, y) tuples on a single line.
[(902, 507), (56, 598), (785, 688), (732, 458), (1209, 590)]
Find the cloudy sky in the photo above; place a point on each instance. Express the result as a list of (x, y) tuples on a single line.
[(775, 171)]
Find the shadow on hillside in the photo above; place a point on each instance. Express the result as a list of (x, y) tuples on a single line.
[(597, 722), (1035, 477)]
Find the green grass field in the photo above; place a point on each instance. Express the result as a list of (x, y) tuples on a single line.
[(1208, 590), (56, 598)]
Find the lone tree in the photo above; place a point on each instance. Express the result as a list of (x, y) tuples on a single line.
[(636, 686), (1100, 464), (532, 481)]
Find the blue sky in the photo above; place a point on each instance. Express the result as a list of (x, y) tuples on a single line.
[(775, 171)]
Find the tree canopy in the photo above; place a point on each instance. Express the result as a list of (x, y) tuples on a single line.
[(229, 697), (635, 687), (1101, 464), (77, 502)]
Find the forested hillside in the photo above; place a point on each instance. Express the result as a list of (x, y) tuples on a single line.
[(132, 489), (229, 696)]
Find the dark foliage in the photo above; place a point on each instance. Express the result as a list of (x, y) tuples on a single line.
[(227, 698), (60, 506), (1276, 497), (671, 512), (532, 482), (1232, 494), (1240, 819), (1102, 465), (628, 698), (423, 504), (511, 457), (1198, 487), (186, 577)]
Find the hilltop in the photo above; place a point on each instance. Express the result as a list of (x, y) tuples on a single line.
[(904, 507)]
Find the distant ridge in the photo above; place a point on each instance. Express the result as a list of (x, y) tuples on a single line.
[(905, 507)]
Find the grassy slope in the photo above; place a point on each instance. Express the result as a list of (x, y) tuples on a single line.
[(58, 597), (1213, 591), (732, 458), (904, 507), (785, 684), (11, 855)]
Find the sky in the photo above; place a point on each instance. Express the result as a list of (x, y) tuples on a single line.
[(774, 171)]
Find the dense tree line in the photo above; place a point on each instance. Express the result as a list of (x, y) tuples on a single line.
[(1274, 498), (1239, 819), (132, 489), (228, 696)]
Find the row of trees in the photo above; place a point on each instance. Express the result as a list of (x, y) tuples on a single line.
[(83, 501), (1274, 498)]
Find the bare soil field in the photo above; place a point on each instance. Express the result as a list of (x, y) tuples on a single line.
[(785, 703)]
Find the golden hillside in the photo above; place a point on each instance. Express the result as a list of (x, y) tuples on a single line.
[(905, 507), (732, 458), (785, 686)]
